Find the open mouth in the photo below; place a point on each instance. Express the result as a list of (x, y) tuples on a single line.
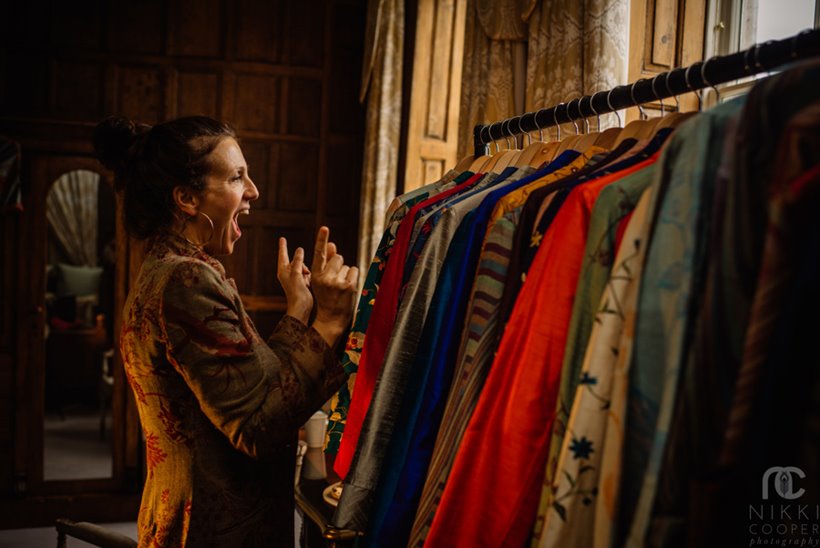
[(236, 221)]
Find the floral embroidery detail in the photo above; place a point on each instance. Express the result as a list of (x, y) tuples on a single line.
[(171, 423), (535, 239), (154, 453), (587, 379), (138, 391), (581, 449)]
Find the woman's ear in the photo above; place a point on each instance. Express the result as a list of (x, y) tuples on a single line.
[(186, 200)]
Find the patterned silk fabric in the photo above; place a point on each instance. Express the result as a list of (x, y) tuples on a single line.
[(381, 411), (672, 277), (571, 516), (505, 442), (475, 353), (614, 203), (378, 333), (367, 298), (219, 407)]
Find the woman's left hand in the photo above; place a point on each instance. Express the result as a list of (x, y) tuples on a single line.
[(295, 279)]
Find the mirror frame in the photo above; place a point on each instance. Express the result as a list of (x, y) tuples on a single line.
[(44, 170)]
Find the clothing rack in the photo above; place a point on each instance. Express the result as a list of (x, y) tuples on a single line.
[(703, 74)]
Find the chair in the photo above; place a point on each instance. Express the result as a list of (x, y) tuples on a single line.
[(94, 534)]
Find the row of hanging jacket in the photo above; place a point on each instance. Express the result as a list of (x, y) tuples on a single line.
[(597, 342)]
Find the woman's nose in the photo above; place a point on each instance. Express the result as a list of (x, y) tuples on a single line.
[(251, 192)]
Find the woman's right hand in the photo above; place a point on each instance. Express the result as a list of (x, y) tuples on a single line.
[(335, 286)]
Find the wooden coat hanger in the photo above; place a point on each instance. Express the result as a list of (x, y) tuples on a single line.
[(544, 154), (535, 148), (587, 140), (500, 158), (607, 138), (511, 159), (478, 164), (464, 164), (637, 129), (571, 142)]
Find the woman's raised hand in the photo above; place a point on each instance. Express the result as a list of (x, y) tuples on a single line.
[(295, 279), (335, 286)]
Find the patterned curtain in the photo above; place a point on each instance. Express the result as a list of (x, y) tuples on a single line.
[(71, 209), (381, 84), (573, 48), (494, 29)]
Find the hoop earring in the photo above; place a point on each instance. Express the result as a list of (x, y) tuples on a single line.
[(197, 244)]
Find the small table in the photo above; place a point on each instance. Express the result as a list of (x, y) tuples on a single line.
[(318, 513)]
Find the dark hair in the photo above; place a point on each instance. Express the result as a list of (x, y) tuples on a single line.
[(149, 162)]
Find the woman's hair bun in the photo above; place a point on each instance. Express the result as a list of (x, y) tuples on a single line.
[(113, 137)]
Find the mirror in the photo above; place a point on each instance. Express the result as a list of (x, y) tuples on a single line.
[(81, 239)]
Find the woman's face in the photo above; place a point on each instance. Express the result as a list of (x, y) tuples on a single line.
[(228, 193)]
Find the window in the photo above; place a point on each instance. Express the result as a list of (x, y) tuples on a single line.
[(735, 25)]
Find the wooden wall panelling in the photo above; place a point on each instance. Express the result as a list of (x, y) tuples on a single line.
[(298, 176), (304, 33), (77, 24), (138, 27), (256, 102), (26, 20), (141, 93), (257, 31), (198, 93), (344, 141), (198, 28), (432, 128), (26, 90), (304, 107), (79, 88)]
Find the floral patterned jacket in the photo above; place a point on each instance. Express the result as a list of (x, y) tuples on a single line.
[(220, 408)]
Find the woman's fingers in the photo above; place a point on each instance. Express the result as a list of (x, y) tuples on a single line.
[(353, 276), (320, 252), (298, 262), (284, 260)]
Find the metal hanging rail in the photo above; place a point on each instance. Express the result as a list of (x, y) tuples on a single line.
[(703, 74)]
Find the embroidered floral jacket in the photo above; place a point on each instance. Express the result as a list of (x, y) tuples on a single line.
[(220, 408)]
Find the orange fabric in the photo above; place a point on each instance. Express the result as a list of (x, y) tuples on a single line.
[(492, 494), (381, 325)]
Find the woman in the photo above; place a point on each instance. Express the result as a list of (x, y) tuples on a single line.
[(219, 407)]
